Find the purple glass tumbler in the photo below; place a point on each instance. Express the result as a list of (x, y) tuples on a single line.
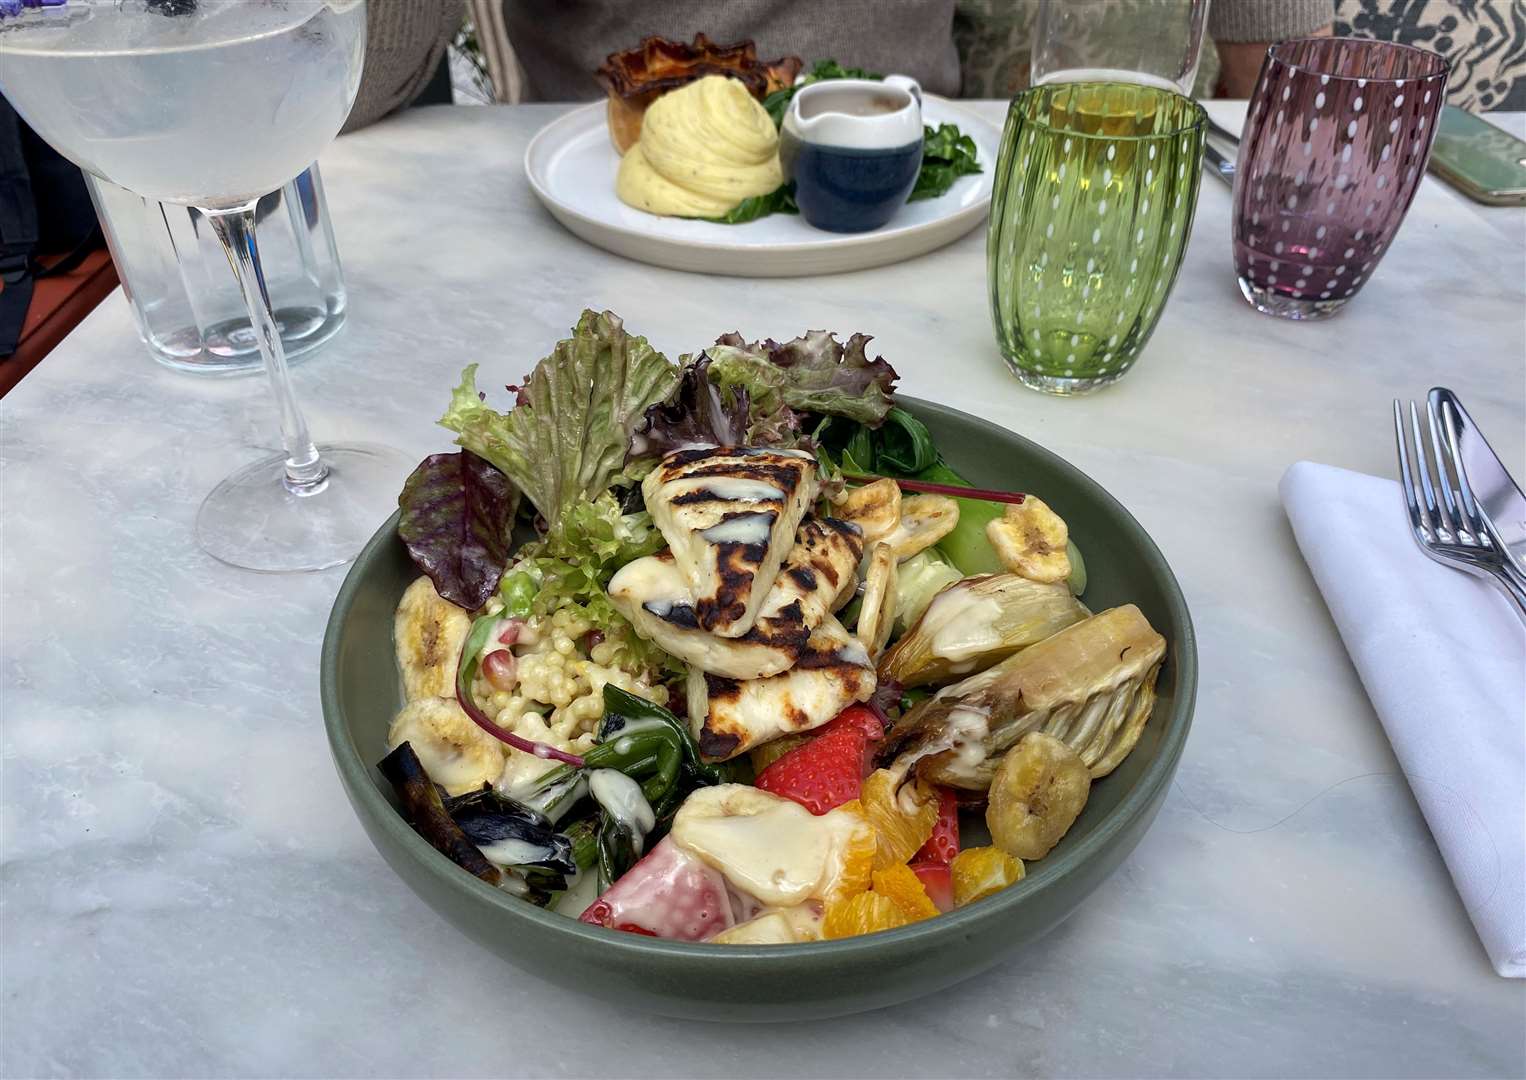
[(1335, 147)]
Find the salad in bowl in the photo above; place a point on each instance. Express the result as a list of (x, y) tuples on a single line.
[(723, 651)]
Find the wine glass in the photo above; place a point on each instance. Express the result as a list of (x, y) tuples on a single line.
[(213, 104)]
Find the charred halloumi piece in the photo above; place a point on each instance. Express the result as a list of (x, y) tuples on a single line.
[(651, 592), (731, 716), (730, 515)]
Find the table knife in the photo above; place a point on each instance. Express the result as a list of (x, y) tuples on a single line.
[(1498, 497)]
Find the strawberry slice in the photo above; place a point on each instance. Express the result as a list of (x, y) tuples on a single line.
[(668, 894), (943, 844), (939, 884), (830, 769)]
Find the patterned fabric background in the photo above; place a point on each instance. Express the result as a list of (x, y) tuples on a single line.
[(1485, 40)]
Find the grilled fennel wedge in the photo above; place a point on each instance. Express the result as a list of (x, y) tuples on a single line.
[(973, 623), (1092, 685)]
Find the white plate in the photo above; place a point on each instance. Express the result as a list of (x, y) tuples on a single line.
[(571, 166)]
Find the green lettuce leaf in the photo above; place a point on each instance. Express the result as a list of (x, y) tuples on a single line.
[(567, 439), (813, 373)]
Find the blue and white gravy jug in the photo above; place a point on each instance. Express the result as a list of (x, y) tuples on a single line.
[(853, 148)]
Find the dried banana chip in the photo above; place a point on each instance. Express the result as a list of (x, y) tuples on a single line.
[(876, 614), (1040, 789), (875, 508), (925, 519), (1031, 540)]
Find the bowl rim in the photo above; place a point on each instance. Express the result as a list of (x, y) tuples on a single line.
[(356, 775)]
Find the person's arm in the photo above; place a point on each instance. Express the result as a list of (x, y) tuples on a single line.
[(1242, 30), (405, 43)]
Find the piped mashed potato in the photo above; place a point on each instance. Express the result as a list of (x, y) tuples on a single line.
[(703, 149)]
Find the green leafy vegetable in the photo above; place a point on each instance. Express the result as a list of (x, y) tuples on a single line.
[(813, 373), (518, 595), (573, 563), (901, 446), (1077, 580), (651, 746), (947, 154), (457, 514), (777, 103), (567, 439), (781, 200), (920, 578), (967, 546)]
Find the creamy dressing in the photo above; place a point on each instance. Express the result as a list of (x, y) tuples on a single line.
[(965, 731), (776, 926), (725, 488), (969, 728), (853, 652), (961, 624), (622, 798), (582, 891), (766, 846), (513, 852), (741, 529)]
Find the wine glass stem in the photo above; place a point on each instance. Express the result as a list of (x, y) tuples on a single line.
[(306, 473)]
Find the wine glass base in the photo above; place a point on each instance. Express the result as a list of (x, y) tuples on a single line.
[(1269, 302), (1062, 385), (253, 521)]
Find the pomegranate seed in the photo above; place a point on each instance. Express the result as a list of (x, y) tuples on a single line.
[(499, 668)]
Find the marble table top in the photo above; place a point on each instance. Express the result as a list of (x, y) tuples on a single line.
[(186, 892)]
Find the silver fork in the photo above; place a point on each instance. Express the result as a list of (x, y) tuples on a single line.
[(1446, 528)]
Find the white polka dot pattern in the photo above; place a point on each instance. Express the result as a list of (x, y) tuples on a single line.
[(1096, 189), (1329, 195)]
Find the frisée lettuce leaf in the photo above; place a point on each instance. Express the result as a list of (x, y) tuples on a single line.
[(814, 373), (570, 567)]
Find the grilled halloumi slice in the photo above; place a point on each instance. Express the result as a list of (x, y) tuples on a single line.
[(428, 632), (652, 594), (729, 515), (731, 716)]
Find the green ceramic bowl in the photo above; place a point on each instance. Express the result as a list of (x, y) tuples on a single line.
[(361, 691)]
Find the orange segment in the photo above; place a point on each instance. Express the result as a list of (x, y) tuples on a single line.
[(979, 872), (863, 913), (903, 819), (903, 887), (856, 848)]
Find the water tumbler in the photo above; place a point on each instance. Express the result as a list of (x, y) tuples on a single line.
[(188, 307), (1096, 186)]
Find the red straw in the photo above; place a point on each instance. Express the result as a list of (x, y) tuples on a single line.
[(982, 494)]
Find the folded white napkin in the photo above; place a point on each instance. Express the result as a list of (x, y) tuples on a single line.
[(1443, 658)]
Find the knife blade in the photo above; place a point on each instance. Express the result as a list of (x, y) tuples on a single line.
[(1217, 164), (1486, 481)]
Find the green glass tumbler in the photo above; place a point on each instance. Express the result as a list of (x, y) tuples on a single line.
[(1096, 186)]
